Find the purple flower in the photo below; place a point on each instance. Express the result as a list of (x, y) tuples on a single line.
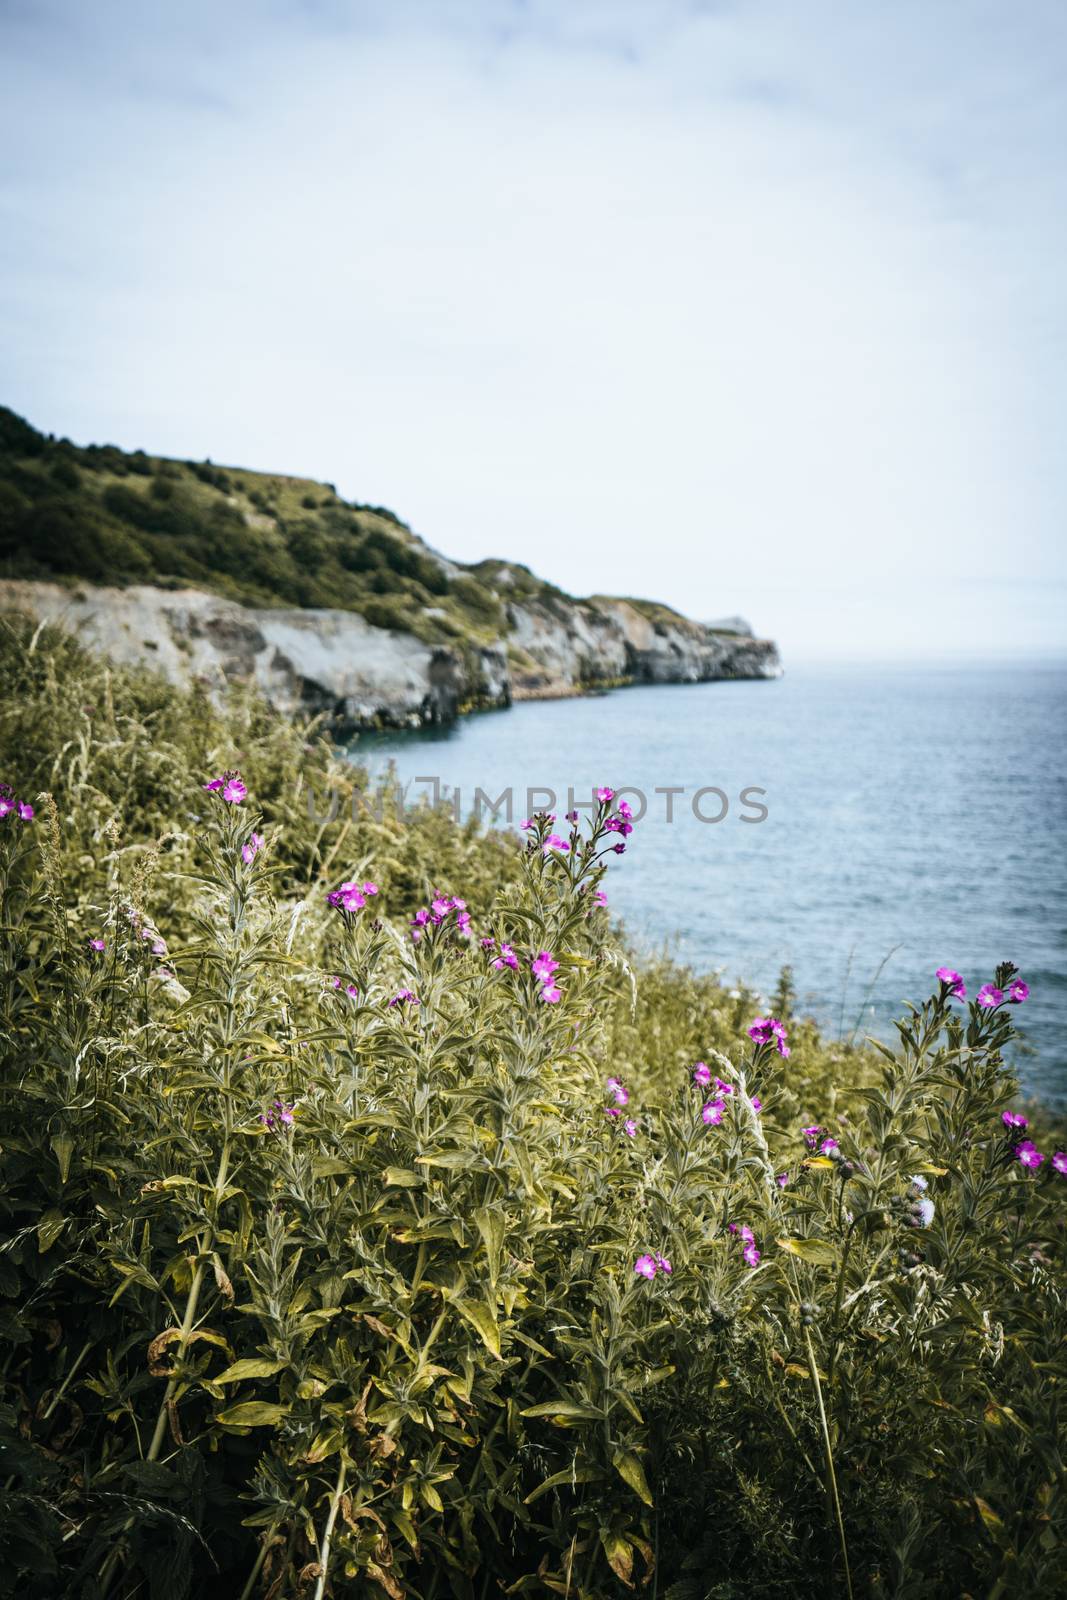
[(7, 806), (98, 945), (645, 1267), (757, 1104), (751, 1255), (352, 896), (488, 942), (25, 811), (234, 791), (543, 966), (612, 1111), (554, 842), (619, 1091), (619, 849), (989, 996), (782, 1179), (600, 898), (1014, 1119), (351, 991), (1018, 992), (405, 997), (1028, 1155), (629, 1127), (811, 1135), (550, 994), (250, 850), (829, 1145), (334, 982), (722, 1087), (506, 958), (702, 1074), (279, 1116), (1059, 1163), (711, 1112), (604, 795), (768, 1030), (957, 989), (624, 810), (216, 783), (664, 1265)]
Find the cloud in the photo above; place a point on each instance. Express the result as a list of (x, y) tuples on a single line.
[(748, 307)]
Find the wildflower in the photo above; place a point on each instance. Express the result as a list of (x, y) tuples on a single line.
[(550, 994), (782, 1179), (234, 792), (1018, 992), (919, 1183), (572, 816), (645, 1267), (746, 1234), (757, 1104), (600, 898), (768, 1030), (351, 991), (619, 1091), (334, 982), (1059, 1163), (279, 1116), (1014, 1119), (25, 811), (554, 842), (612, 1111), (405, 997), (216, 783), (828, 1146), (629, 1128), (811, 1135), (352, 896), (751, 1255), (624, 810), (604, 795), (488, 942), (506, 958), (925, 1211), (619, 849), (1028, 1155), (989, 996), (463, 923), (722, 1087), (664, 1265), (543, 966), (702, 1074), (98, 945), (250, 850), (957, 989), (712, 1111)]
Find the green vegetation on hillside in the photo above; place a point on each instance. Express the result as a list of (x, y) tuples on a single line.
[(111, 516), (331, 1263)]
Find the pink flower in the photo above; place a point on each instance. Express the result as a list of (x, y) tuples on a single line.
[(250, 850), (488, 942), (811, 1135), (782, 1179), (757, 1104), (721, 1087), (604, 795), (664, 1265), (216, 783), (506, 958), (957, 989), (98, 945), (989, 996), (712, 1113), (619, 1091), (279, 1116), (612, 1111), (1014, 1119), (768, 1030), (645, 1267), (351, 991), (624, 810), (702, 1074), (1028, 1155), (1018, 992), (25, 811), (746, 1234), (1059, 1163), (629, 1127), (543, 966), (234, 792), (550, 994), (829, 1145), (334, 982), (600, 898), (751, 1255), (554, 842), (405, 997), (619, 849)]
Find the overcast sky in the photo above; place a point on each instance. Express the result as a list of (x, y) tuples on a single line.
[(756, 306)]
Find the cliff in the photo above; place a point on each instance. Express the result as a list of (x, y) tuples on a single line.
[(328, 605)]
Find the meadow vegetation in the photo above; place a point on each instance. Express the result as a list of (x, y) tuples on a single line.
[(373, 1225)]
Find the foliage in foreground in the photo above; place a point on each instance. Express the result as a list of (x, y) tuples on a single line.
[(333, 1264)]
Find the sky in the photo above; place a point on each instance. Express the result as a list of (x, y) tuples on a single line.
[(748, 306)]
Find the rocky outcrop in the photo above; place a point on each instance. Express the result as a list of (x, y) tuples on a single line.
[(359, 676)]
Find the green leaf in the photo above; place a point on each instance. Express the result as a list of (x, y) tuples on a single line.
[(481, 1318), (402, 1178), (564, 1412), (570, 1476), (632, 1472), (252, 1414), (63, 1149), (49, 1229), (489, 1221), (817, 1251), (620, 1555), (251, 1367)]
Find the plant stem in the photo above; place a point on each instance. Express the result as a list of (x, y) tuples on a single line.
[(327, 1533), (831, 1476)]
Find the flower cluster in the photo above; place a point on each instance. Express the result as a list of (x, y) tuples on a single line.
[(621, 1095), (251, 849), (920, 1208), (768, 1030), (648, 1265), (440, 907), (352, 896), (350, 989), (9, 806), (989, 995), (813, 1138), (231, 787), (506, 958), (278, 1117), (405, 997), (748, 1242), (543, 966)]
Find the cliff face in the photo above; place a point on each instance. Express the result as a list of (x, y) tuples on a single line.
[(334, 662)]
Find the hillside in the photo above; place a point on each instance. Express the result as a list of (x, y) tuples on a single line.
[(230, 546)]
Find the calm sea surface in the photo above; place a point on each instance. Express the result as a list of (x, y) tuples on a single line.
[(916, 817)]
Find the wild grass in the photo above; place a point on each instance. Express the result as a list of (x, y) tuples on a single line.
[(307, 1289)]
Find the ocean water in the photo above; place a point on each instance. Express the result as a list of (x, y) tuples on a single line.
[(915, 817)]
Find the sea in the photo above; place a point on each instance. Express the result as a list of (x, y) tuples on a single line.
[(860, 824)]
